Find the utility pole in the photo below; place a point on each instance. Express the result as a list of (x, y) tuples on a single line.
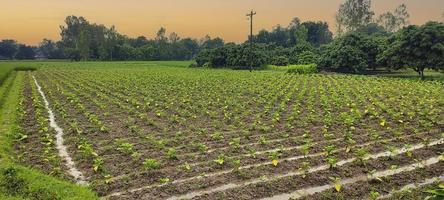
[(251, 14)]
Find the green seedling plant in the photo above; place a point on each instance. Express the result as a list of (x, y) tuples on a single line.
[(252, 153), (336, 183), (304, 169), (392, 150), (332, 161), (235, 142), (263, 140), (97, 164), (172, 153), (409, 152), (329, 149), (274, 156), (374, 195), (164, 180), (151, 164), (187, 167), (220, 159), (361, 155), (202, 148), (126, 148), (371, 175), (217, 136)]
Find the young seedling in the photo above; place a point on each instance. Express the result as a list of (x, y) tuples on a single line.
[(374, 195), (263, 140), (237, 164), (151, 164), (172, 153), (187, 167), (274, 156), (329, 149), (306, 149), (164, 180), (97, 164), (426, 142), (217, 136), (136, 155), (408, 148), (305, 167), (332, 161), (371, 175), (392, 150), (336, 183), (252, 153), (235, 142), (383, 122), (202, 148), (126, 148), (361, 155), (220, 159)]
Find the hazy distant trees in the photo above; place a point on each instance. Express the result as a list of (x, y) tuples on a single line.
[(8, 49), (82, 40), (352, 15), (50, 49), (355, 15), (316, 33), (25, 52), (393, 21)]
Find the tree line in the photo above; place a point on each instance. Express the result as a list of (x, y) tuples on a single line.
[(10, 49), (82, 40), (363, 42)]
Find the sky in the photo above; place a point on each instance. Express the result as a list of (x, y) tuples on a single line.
[(29, 21)]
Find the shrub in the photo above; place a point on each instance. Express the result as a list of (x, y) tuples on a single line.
[(193, 65), (352, 53), (203, 57), (343, 59), (307, 57), (280, 61), (12, 183), (302, 69)]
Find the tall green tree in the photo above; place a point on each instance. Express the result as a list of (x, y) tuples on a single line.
[(353, 14), (417, 47), (318, 33), (393, 21), (50, 49)]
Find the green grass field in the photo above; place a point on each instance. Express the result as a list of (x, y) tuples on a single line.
[(161, 130)]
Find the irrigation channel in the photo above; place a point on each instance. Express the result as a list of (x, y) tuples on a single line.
[(62, 150)]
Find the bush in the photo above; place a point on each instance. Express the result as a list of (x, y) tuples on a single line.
[(193, 65), (352, 53), (203, 57), (302, 69), (280, 61), (12, 183), (307, 57), (233, 56), (345, 59)]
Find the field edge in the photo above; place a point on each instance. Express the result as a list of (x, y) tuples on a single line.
[(33, 183)]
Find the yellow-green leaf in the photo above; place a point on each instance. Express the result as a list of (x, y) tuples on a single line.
[(338, 187), (275, 162)]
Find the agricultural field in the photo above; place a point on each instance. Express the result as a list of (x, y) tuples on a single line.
[(159, 130)]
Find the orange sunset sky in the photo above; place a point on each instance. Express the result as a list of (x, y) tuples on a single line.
[(29, 21)]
